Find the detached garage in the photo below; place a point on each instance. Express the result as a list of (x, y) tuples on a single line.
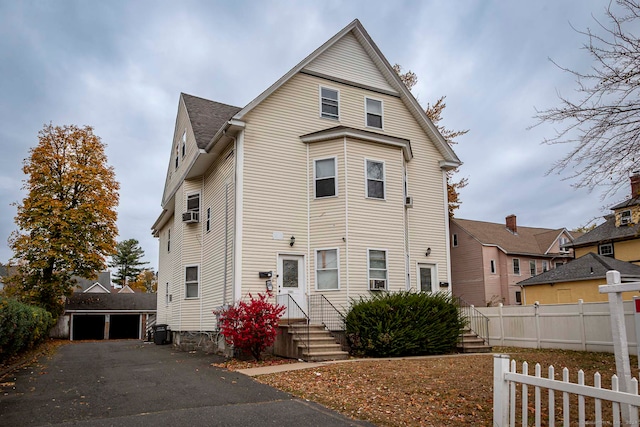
[(97, 316)]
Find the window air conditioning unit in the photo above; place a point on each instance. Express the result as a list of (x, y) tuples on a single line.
[(408, 202), (190, 217), (377, 284)]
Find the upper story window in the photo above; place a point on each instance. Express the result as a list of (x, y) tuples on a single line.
[(325, 177), (373, 109), (184, 143), (329, 103), (191, 281), (455, 240), (625, 217), (169, 240), (327, 269), (606, 249), (208, 225), (193, 202), (516, 266), (375, 179), (545, 266), (532, 268), (492, 265)]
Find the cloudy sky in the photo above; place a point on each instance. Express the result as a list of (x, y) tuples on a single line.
[(120, 66)]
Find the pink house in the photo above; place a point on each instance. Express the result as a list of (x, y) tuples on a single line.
[(489, 259)]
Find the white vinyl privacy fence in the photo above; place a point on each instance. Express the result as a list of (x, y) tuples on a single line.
[(581, 326)]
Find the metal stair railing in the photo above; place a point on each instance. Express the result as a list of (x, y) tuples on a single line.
[(294, 314), (321, 311), (477, 322)]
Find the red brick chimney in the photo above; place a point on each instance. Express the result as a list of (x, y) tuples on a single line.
[(511, 223), (635, 184)]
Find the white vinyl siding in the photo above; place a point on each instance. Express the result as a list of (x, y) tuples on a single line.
[(327, 269), (347, 60)]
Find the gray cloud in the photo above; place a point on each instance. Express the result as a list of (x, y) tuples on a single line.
[(120, 66)]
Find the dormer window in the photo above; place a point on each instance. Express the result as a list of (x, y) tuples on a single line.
[(625, 217)]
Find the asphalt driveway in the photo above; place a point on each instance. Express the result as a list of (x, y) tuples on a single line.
[(128, 383)]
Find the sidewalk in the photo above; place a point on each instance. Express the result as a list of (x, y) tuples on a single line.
[(274, 369)]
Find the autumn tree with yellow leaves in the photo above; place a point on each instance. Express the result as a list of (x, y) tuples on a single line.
[(434, 113), (67, 221)]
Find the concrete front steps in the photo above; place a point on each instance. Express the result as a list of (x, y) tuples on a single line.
[(470, 342), (312, 344)]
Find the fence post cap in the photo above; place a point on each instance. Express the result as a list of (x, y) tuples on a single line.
[(501, 356)]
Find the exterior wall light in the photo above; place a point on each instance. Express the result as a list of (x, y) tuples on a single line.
[(428, 252), (292, 240)]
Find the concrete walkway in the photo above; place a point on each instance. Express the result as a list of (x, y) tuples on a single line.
[(264, 370), (128, 383)]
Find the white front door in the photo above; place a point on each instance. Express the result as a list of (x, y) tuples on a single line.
[(291, 280), (427, 278)]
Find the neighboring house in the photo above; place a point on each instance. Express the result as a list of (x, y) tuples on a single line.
[(619, 236), (103, 282), (100, 315), (489, 259), (578, 279), (330, 184)]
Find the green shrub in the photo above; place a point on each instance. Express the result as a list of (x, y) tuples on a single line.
[(21, 326), (403, 324)]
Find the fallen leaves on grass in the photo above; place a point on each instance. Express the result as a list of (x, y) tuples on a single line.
[(437, 391)]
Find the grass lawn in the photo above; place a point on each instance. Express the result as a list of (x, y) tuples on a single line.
[(438, 391)]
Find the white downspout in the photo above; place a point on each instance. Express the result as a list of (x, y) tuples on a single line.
[(238, 200)]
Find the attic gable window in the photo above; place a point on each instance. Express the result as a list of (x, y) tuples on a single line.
[(625, 217), (184, 143), (373, 108), (329, 103)]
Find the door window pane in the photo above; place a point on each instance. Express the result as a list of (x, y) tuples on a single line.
[(425, 279), (290, 273)]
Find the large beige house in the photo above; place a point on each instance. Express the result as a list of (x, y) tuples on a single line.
[(330, 183)]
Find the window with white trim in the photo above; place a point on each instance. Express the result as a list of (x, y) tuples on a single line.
[(184, 143), (193, 202), (377, 262), (625, 217), (327, 272), (375, 179), (516, 266), (329, 103), (191, 281), (606, 249), (492, 265), (373, 109), (532, 268), (325, 177), (208, 225), (168, 240)]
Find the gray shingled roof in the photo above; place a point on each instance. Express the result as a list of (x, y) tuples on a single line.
[(627, 203), (206, 117), (589, 266), (111, 302), (528, 240), (607, 232)]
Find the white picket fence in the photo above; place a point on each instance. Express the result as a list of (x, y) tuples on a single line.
[(506, 378)]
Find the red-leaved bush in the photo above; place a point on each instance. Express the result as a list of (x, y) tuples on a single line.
[(251, 325)]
